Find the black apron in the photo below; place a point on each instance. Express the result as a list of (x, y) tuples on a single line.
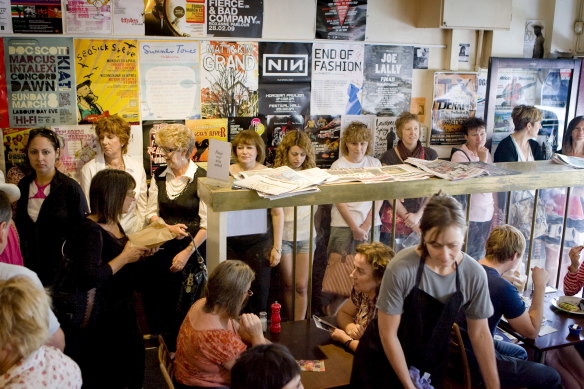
[(424, 334)]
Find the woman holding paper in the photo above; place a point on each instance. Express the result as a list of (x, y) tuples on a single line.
[(173, 198), (260, 251), (295, 151), (409, 211), (113, 134), (104, 259)]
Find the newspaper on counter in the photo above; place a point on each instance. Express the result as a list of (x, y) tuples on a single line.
[(574, 162), (282, 181), (448, 170), (376, 174)]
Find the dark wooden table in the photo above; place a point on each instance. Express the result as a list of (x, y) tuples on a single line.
[(557, 319), (306, 341)]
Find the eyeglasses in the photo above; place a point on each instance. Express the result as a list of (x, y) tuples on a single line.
[(250, 292)]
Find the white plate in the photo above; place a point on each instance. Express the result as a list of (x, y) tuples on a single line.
[(567, 299)]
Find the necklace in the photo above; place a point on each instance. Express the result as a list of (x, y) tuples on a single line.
[(120, 166)]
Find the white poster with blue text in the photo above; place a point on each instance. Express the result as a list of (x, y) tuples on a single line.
[(169, 80), (337, 79)]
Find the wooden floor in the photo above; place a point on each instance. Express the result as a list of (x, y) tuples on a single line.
[(152, 376)]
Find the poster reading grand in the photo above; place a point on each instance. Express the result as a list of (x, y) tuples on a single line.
[(455, 100), (229, 79), (337, 79), (107, 79), (40, 81), (387, 88), (169, 80)]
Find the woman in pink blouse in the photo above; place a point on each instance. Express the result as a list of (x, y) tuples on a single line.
[(210, 338)]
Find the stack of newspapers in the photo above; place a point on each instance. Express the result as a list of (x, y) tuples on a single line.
[(282, 182), (574, 162)]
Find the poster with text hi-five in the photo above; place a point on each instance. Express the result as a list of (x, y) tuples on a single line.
[(107, 79), (184, 18), (238, 18), (4, 122), (229, 79), (455, 100), (40, 81), (80, 145), (169, 80), (205, 129), (86, 16), (325, 134), (387, 87), (36, 16), (337, 79), (341, 19)]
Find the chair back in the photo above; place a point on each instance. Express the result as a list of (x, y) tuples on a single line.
[(458, 354), (166, 361)]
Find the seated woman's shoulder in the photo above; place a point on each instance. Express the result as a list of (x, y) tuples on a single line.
[(430, 153)]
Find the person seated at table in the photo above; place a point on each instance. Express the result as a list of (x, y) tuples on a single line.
[(210, 338), (354, 315), (574, 278), (504, 250), (25, 361), (266, 366)]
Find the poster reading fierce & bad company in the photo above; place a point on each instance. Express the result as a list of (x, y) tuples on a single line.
[(40, 81), (284, 83), (341, 19), (337, 79), (387, 87), (240, 18)]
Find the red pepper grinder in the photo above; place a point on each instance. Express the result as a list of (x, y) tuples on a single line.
[(275, 318)]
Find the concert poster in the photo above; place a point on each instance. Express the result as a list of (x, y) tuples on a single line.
[(325, 133), (242, 18), (88, 17), (341, 19), (278, 126), (205, 129)]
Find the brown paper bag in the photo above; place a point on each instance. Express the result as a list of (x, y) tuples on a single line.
[(153, 235)]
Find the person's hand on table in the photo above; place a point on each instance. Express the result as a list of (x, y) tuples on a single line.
[(574, 254), (340, 336)]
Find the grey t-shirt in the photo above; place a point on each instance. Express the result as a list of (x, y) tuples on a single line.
[(400, 278), (8, 271)]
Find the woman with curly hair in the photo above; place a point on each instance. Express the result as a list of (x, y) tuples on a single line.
[(295, 151)]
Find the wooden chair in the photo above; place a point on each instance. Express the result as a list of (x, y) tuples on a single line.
[(166, 361), (458, 355)]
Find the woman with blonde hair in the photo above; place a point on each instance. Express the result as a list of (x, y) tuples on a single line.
[(296, 152), (25, 362), (262, 250), (172, 197), (409, 211), (113, 134)]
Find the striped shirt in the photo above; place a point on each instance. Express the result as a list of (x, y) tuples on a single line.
[(573, 282)]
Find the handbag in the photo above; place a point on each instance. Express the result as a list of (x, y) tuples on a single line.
[(74, 306), (336, 276), (521, 213), (194, 279)]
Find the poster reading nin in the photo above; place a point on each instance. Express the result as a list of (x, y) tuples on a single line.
[(341, 19), (284, 82), (40, 81), (387, 87), (240, 18)]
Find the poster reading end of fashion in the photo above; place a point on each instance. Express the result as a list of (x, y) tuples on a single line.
[(341, 19)]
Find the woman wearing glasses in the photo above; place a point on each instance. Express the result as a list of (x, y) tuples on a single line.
[(173, 197), (113, 134), (50, 207), (211, 339)]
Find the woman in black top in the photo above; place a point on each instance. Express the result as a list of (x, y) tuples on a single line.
[(521, 146), (109, 349), (50, 207), (173, 197)]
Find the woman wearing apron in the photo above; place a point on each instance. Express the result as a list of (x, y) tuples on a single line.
[(421, 293)]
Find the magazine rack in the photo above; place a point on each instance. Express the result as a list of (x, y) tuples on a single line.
[(532, 175)]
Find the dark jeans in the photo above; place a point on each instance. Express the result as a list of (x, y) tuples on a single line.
[(478, 232), (516, 373)]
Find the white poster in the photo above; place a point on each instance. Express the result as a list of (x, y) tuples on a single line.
[(5, 17), (83, 16), (385, 134), (169, 80), (337, 79), (128, 17)]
